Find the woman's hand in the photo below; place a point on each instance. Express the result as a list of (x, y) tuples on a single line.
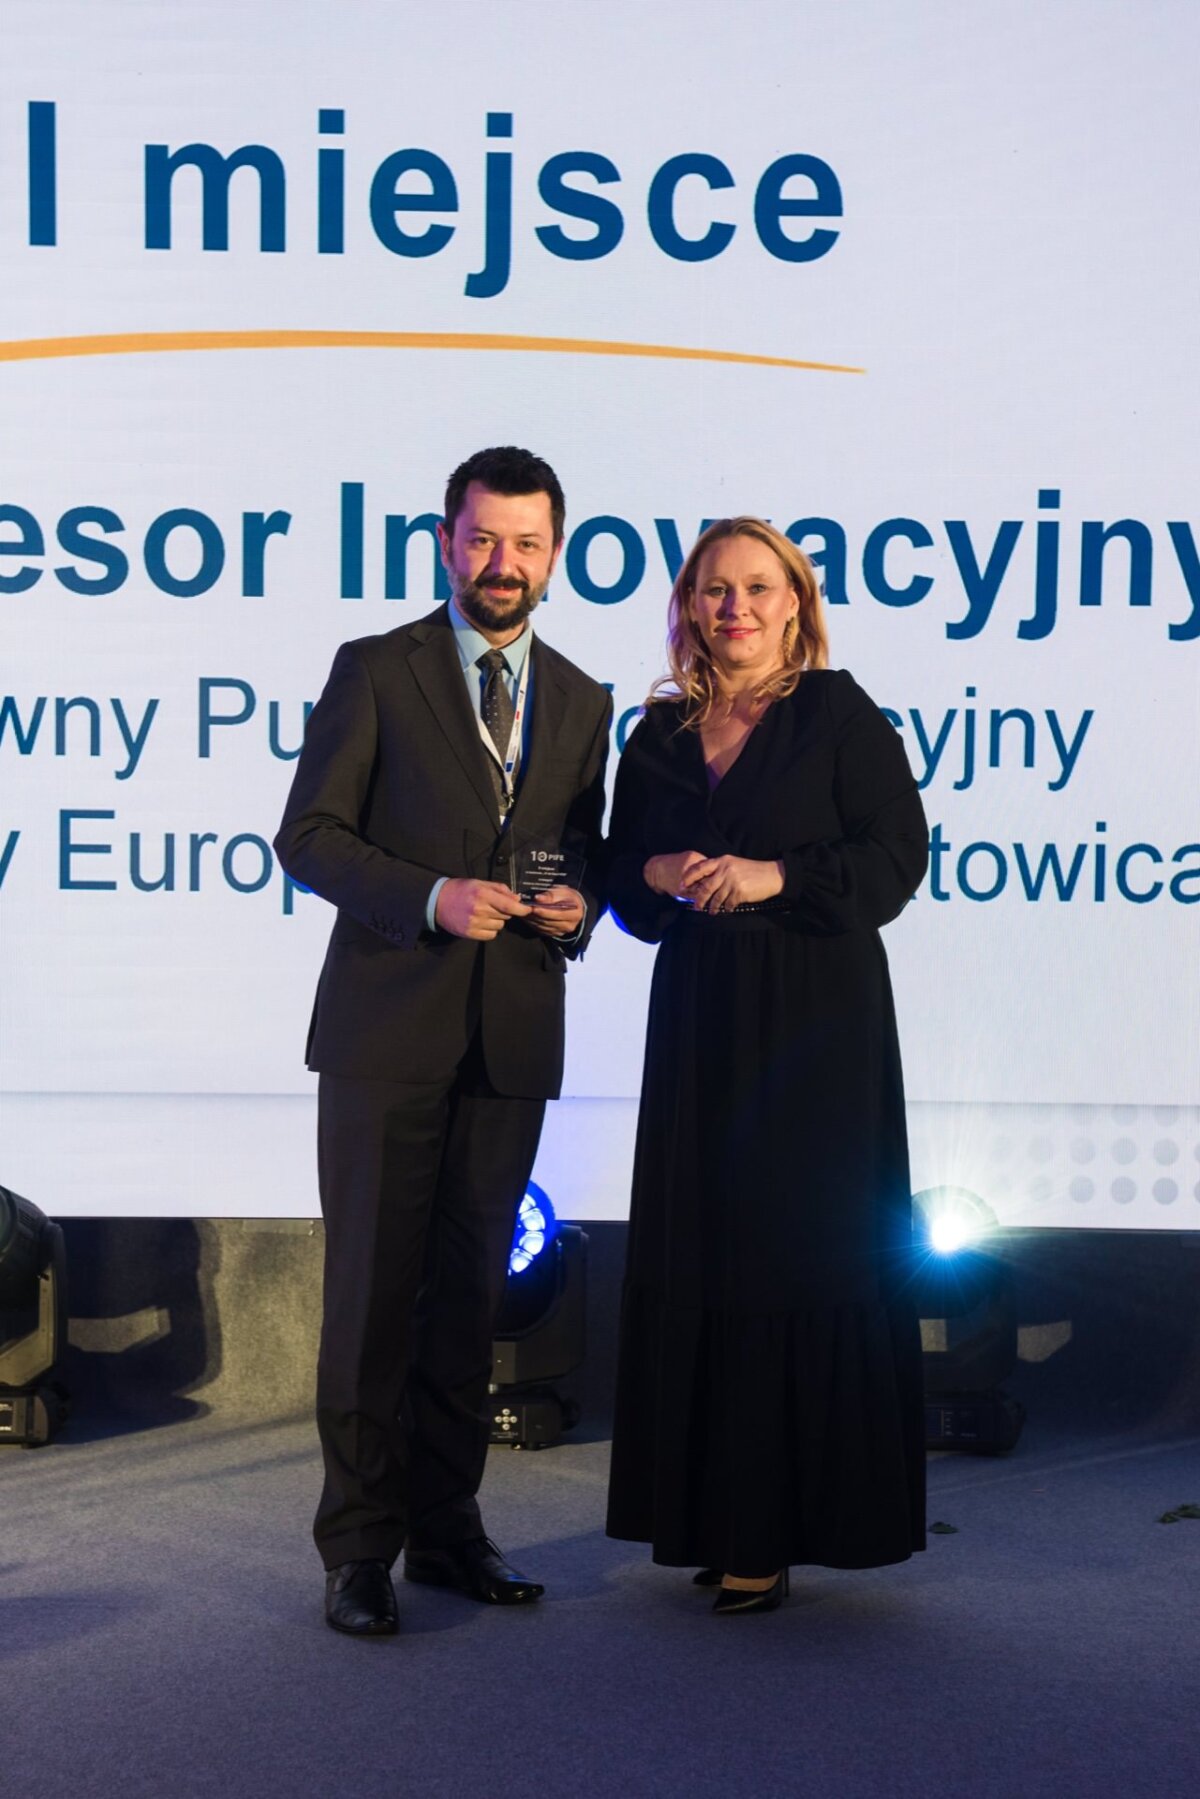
[(558, 912), (668, 874), (719, 883)]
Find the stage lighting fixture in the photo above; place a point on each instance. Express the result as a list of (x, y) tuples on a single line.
[(536, 1225), (953, 1218), (540, 1332), (967, 1305), (33, 1322)]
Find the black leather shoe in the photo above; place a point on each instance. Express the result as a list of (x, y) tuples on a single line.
[(476, 1568), (360, 1600), (745, 1599)]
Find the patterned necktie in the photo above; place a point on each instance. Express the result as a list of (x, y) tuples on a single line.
[(498, 714)]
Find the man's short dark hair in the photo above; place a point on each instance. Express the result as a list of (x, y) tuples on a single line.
[(505, 469)]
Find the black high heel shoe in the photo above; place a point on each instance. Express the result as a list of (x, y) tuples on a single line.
[(741, 1599)]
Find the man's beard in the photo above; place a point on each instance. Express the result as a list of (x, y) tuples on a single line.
[(500, 611)]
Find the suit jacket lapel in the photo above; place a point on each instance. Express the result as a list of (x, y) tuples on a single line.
[(438, 672)]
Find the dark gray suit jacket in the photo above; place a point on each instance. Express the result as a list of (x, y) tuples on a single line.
[(392, 790)]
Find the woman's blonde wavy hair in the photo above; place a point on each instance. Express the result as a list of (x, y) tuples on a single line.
[(693, 676)]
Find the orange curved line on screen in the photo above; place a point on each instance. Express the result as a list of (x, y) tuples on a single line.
[(38, 349)]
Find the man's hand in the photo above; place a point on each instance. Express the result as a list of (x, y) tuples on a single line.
[(723, 882), (668, 874), (477, 909), (558, 912)]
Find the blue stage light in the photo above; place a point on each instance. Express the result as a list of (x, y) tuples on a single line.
[(536, 1228), (952, 1218), (540, 1328), (966, 1301)]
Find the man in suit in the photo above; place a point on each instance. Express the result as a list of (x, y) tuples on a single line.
[(436, 754)]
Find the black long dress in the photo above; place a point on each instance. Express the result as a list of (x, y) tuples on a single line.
[(769, 1406)]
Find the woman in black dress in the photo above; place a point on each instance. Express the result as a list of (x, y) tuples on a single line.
[(765, 825)]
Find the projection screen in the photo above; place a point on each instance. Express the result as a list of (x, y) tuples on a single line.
[(918, 284)]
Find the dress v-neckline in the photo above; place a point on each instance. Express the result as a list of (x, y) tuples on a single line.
[(713, 787)]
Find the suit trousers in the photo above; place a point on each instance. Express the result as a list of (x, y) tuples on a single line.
[(420, 1185)]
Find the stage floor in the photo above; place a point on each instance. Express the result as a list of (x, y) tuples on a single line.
[(161, 1633)]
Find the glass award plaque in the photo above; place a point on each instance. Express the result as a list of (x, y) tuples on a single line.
[(537, 867)]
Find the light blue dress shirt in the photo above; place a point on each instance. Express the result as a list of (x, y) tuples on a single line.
[(471, 645)]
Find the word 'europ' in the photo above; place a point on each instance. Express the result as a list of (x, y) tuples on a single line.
[(413, 192), (92, 854)]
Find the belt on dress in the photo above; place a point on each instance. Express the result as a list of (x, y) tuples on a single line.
[(768, 905)]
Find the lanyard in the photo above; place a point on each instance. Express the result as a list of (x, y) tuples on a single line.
[(512, 754)]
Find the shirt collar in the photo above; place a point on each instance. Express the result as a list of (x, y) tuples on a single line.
[(472, 644)]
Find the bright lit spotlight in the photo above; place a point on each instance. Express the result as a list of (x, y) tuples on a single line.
[(540, 1331), (953, 1218), (536, 1225), (966, 1301), (947, 1232)]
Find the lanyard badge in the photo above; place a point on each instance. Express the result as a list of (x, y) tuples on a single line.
[(512, 754)]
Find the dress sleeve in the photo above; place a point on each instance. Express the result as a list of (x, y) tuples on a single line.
[(865, 877), (637, 908)]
